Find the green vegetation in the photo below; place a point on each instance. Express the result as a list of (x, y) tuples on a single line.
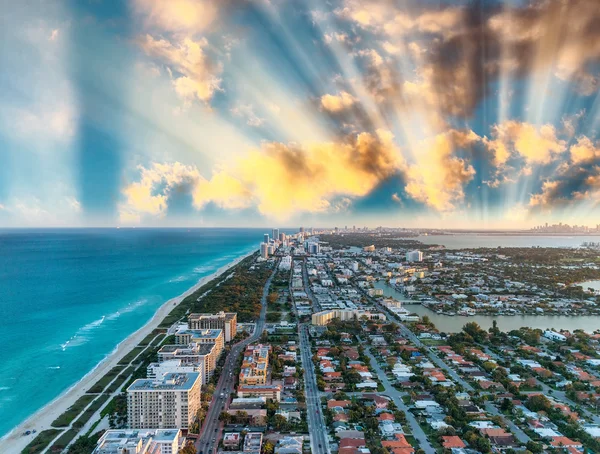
[(105, 380), (131, 355), (238, 290), (63, 440), (87, 414), (39, 443), (68, 416), (379, 241), (85, 444)]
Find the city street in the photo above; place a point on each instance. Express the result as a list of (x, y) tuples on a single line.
[(316, 423), (208, 441), (396, 395)]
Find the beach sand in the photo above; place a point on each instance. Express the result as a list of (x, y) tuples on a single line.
[(15, 442)]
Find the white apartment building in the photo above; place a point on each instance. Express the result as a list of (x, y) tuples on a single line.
[(414, 256), (169, 403), (159, 441), (201, 336), (202, 357)]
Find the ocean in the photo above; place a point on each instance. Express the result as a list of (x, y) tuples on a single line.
[(69, 296)]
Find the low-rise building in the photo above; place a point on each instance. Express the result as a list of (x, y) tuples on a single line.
[(125, 441)]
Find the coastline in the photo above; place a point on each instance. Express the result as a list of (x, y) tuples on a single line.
[(42, 419)]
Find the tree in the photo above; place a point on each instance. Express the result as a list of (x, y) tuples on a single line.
[(268, 447), (534, 447), (539, 402), (280, 423), (188, 449)]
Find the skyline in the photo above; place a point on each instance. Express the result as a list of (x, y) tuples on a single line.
[(259, 113)]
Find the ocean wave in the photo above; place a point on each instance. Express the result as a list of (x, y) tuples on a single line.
[(178, 279), (204, 269), (4, 388), (92, 325), (54, 367)]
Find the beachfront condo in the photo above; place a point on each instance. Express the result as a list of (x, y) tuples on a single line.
[(201, 336), (168, 403), (227, 321), (202, 357)]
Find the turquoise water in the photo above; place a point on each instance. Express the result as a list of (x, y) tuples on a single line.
[(68, 297)]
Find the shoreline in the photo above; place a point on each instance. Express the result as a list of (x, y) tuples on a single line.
[(14, 441)]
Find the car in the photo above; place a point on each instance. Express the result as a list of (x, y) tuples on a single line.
[(216, 429)]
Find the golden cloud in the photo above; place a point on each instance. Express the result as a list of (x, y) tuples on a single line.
[(337, 103), (439, 176), (279, 179), (196, 76), (189, 16), (537, 145), (584, 151)]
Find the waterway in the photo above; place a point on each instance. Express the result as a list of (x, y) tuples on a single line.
[(453, 324), (473, 240)]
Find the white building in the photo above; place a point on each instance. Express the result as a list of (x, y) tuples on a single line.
[(159, 441), (414, 256), (553, 335), (170, 403), (286, 263), (264, 250)]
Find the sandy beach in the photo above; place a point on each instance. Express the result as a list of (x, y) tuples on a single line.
[(15, 442)]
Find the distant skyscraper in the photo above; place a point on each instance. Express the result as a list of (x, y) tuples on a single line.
[(301, 229), (282, 237), (266, 238), (264, 250), (275, 234)]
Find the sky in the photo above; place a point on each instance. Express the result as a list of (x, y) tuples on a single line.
[(410, 113)]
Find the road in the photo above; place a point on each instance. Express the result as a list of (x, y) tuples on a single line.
[(396, 395), (208, 441), (317, 428), (415, 340)]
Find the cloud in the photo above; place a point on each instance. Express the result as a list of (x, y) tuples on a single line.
[(196, 77), (459, 52), (439, 176), (584, 151), (337, 103), (247, 111), (537, 145), (280, 180), (189, 16), (150, 195)]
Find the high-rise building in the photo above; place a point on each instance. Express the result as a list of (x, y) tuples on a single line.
[(201, 336), (301, 229), (414, 256), (275, 234), (282, 237), (227, 321), (266, 238), (203, 357), (264, 250), (170, 403)]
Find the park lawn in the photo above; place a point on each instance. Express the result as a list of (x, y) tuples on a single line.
[(64, 440), (86, 415), (135, 351), (39, 443), (74, 410), (105, 380)]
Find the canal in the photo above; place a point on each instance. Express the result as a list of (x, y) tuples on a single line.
[(453, 324)]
